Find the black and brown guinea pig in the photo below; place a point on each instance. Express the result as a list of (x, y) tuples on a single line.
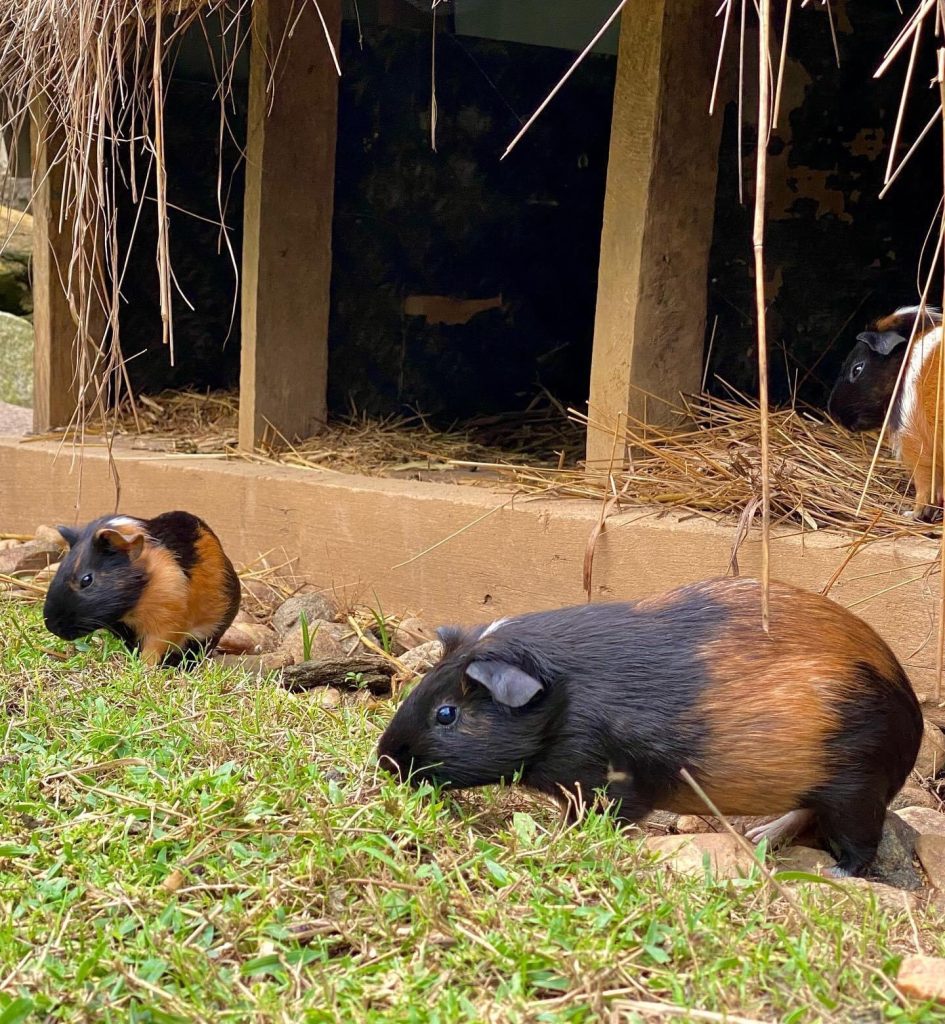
[(162, 585), (862, 393), (815, 720)]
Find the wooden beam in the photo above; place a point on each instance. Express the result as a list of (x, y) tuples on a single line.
[(55, 329), (290, 170), (405, 543), (658, 213)]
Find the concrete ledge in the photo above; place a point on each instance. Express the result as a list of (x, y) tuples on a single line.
[(465, 554)]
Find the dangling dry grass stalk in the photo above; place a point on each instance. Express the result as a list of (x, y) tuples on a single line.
[(758, 243)]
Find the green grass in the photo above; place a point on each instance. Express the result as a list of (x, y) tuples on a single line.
[(202, 846)]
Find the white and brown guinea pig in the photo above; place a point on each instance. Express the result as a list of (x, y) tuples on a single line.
[(864, 388), (162, 585), (815, 720)]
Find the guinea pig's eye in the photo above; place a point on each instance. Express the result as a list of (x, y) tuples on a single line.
[(857, 370), (86, 581), (446, 715)]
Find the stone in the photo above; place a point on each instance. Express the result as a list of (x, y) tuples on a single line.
[(262, 596), (410, 633), (421, 659), (893, 861), (16, 354), (914, 796), (693, 823), (29, 557), (803, 858), (924, 820), (328, 641), (930, 760), (44, 576), (317, 607), (930, 849), (50, 535), (685, 854), (922, 977), (888, 897), (248, 638), (329, 697)]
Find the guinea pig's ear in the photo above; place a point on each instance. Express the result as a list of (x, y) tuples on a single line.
[(114, 540), (507, 683), (69, 535), (450, 637), (883, 343)]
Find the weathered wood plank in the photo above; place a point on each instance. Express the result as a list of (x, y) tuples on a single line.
[(290, 168)]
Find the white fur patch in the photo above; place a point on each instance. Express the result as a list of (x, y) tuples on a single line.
[(116, 522), (492, 627), (933, 312), (922, 348), (614, 776)]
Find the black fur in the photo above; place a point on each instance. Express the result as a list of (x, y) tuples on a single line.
[(861, 404), (71, 612), (598, 710), (866, 769), (178, 532)]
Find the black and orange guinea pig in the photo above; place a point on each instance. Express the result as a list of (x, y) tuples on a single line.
[(162, 585), (864, 389), (814, 721)]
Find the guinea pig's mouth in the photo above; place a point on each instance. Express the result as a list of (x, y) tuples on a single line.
[(65, 632), (406, 768)]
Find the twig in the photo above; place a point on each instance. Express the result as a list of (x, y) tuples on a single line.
[(554, 92), (758, 240)]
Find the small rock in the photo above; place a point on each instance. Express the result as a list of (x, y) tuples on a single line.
[(29, 557), (410, 633), (685, 854), (693, 823), (261, 595), (803, 858), (50, 535), (329, 697), (46, 575), (922, 977), (317, 607), (887, 897), (924, 820), (914, 796), (248, 638), (661, 821), (421, 659), (931, 757), (5, 545), (327, 641), (930, 849), (893, 861)]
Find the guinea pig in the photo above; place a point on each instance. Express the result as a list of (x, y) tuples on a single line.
[(815, 721), (862, 393), (162, 585)]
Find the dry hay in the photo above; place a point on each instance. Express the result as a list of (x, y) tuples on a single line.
[(708, 465), (193, 423)]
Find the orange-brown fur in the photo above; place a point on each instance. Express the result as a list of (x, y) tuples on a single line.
[(770, 747), (172, 609)]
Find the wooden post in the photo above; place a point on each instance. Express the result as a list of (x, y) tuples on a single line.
[(290, 170), (55, 329), (658, 212)]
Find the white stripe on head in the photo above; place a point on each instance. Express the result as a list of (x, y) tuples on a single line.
[(931, 312), (116, 522), (492, 627)]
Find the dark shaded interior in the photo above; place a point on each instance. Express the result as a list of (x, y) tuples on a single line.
[(462, 285)]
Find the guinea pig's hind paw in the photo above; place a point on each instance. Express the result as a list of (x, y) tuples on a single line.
[(781, 830), (837, 872)]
